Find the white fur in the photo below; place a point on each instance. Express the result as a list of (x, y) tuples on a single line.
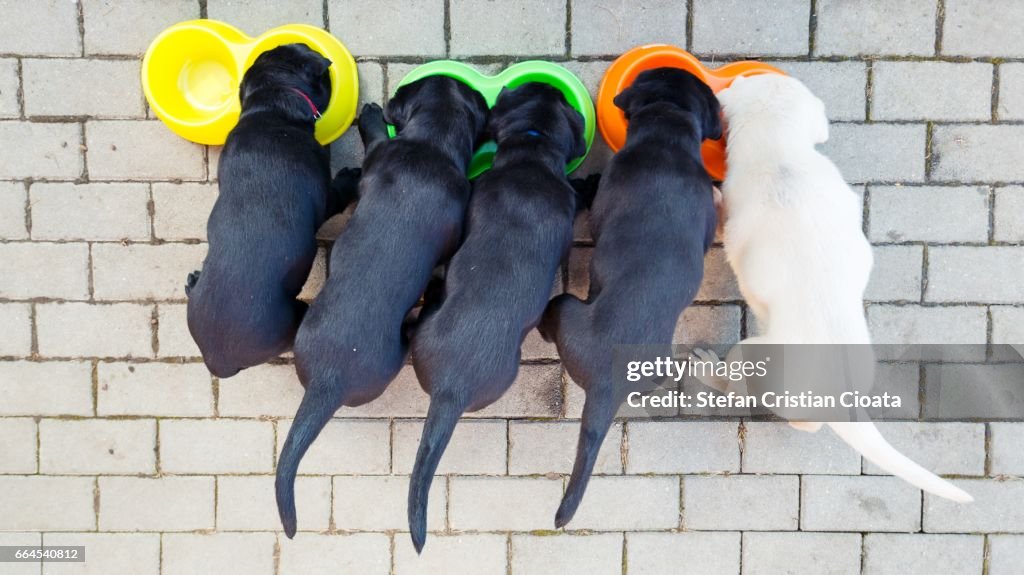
[(793, 238)]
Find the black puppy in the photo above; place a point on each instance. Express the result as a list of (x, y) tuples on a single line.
[(413, 194), (466, 347), (652, 220), (274, 193)]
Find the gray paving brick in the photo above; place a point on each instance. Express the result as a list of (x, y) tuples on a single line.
[(371, 83), (501, 503), (931, 91), (256, 18), (42, 151), (539, 447), (918, 325), (942, 448), (537, 392), (173, 337), (905, 554), (370, 503), (16, 338), (1006, 554), (180, 211), (984, 274), (403, 398), (246, 503), (918, 214), (608, 28), (1009, 214), (156, 504), (106, 31), (846, 503), (1011, 91), (719, 282), (482, 554), (629, 503), (308, 553), (723, 503), (973, 153), (875, 27), (18, 443), (534, 347), (970, 29), (372, 29), (345, 447), (683, 447), (12, 211), (775, 447), (476, 448), (715, 325), (95, 446), (66, 275), (47, 27), (20, 539), (156, 389), (544, 555), (804, 553), (877, 152), (896, 275), (983, 391), (46, 388), (1007, 458), (143, 271), (9, 85), (902, 379), (129, 150), (841, 85), (687, 553), (263, 390), (528, 27), (40, 503), (1007, 324), (185, 553), (751, 28), (216, 446), (996, 508), (137, 553), (65, 211), (68, 87)]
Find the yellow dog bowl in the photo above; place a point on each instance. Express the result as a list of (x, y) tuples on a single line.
[(192, 70)]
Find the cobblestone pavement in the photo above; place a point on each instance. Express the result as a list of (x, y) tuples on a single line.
[(113, 435)]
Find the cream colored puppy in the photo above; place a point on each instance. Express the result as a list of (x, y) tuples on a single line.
[(793, 238)]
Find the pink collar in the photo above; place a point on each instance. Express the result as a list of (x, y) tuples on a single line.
[(312, 106)]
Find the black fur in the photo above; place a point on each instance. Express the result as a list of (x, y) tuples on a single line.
[(274, 193), (413, 194), (466, 347), (653, 219)]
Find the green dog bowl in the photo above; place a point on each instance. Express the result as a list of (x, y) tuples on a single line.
[(516, 75)]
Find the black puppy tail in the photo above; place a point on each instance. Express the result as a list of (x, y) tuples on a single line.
[(598, 414), (442, 417), (317, 408)]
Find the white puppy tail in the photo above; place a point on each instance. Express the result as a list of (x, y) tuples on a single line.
[(865, 438)]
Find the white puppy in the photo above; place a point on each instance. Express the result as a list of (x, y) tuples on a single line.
[(793, 238)]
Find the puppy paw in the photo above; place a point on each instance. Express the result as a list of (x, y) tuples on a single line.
[(190, 282)]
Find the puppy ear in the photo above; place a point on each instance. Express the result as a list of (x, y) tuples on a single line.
[(624, 100), (819, 126), (712, 128), (320, 65), (577, 128), (400, 105)]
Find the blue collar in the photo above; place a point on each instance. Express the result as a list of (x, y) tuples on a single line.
[(533, 133)]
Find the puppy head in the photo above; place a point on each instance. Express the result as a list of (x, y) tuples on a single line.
[(292, 66), (782, 102), (536, 107), (677, 87), (445, 99)]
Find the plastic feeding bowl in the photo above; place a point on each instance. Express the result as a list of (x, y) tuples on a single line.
[(490, 87), (628, 66), (192, 70)]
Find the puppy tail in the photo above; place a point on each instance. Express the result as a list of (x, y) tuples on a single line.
[(317, 408), (864, 437), (442, 417), (598, 414)]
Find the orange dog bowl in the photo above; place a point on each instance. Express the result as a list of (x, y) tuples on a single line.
[(612, 122)]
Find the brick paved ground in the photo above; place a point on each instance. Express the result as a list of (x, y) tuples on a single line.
[(113, 435)]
